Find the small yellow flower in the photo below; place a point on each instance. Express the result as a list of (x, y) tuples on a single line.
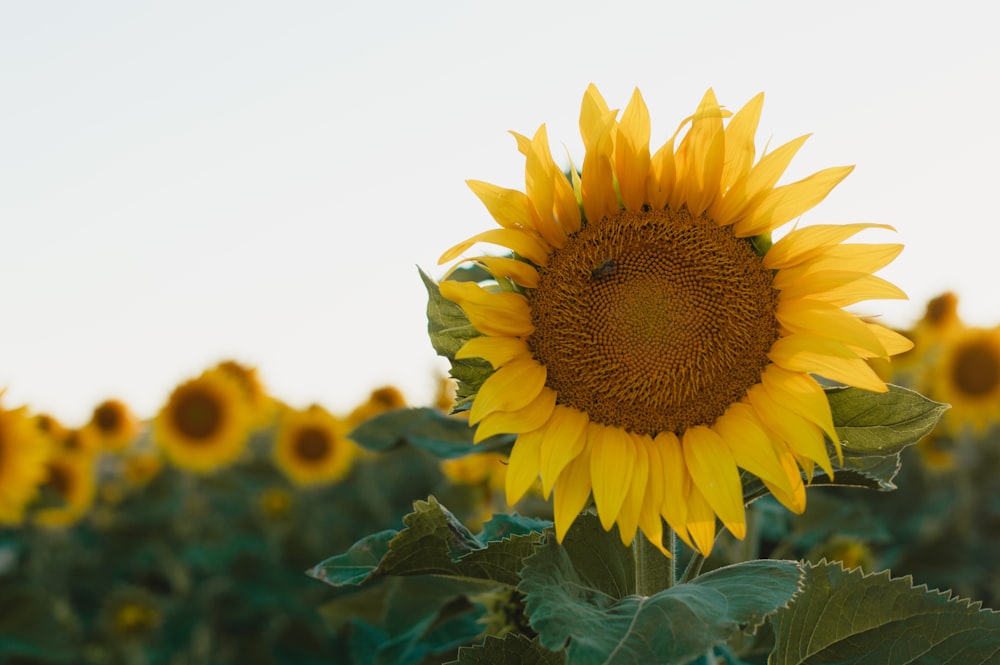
[(115, 424), (967, 376), (205, 423), (311, 448), (24, 452), (131, 614), (71, 476), (381, 400), (648, 340)]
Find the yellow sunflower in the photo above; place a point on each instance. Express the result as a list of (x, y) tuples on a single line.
[(311, 448), (967, 375), (204, 424), (115, 424), (262, 407), (648, 340), (24, 451), (386, 398), (73, 477)]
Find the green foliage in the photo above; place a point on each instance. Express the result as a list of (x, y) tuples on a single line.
[(449, 329), (512, 649), (846, 617), (428, 429)]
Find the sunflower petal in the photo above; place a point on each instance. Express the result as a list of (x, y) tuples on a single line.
[(700, 520), (807, 242), (741, 135), (565, 439), (500, 314), (497, 351), (597, 180), (813, 317), (520, 272), (802, 395), (628, 518), (632, 153), (527, 419), (893, 342), (593, 110), (571, 492), (676, 483), (700, 158), (787, 202), (508, 207), (827, 358), (523, 465), (746, 193), (799, 434), (713, 470), (649, 515), (612, 461), (540, 188), (752, 446), (510, 388), (520, 242)]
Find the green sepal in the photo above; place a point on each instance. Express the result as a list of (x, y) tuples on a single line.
[(428, 429), (449, 328), (847, 618), (570, 608), (434, 542)]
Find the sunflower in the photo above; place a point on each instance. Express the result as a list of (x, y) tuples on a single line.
[(386, 398), (115, 424), (311, 448), (648, 340), (204, 424), (967, 375), (131, 614), (262, 406), (71, 477), (24, 451)]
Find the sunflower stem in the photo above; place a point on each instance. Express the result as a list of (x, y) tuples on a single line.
[(653, 571)]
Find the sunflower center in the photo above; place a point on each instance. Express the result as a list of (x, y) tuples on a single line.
[(197, 415), (59, 479), (653, 321), (107, 417), (312, 444), (976, 371)]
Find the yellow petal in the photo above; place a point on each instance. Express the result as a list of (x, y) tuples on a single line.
[(859, 257), (807, 242), (649, 516), (540, 188), (867, 287), (527, 419), (522, 467), (565, 439), (749, 191), (501, 314), (787, 202), (628, 518), (813, 317), (510, 388), (597, 181), (741, 133), (700, 158), (508, 207), (523, 143), (632, 153), (802, 395), (827, 358), (798, 433), (571, 492), (520, 272), (751, 445), (497, 351), (612, 461), (676, 483), (714, 471), (520, 242), (700, 520), (593, 110), (662, 176), (892, 341)]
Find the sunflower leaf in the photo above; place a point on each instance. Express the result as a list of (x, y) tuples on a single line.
[(511, 649), (881, 424), (434, 542), (428, 429), (673, 626), (449, 329), (847, 617)]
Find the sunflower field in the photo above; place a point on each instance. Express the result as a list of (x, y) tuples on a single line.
[(664, 439)]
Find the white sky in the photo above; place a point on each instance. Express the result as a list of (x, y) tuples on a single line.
[(185, 182)]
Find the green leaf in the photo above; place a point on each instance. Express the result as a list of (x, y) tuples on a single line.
[(846, 617), (434, 543), (511, 649), (881, 423), (672, 626), (428, 429), (449, 329)]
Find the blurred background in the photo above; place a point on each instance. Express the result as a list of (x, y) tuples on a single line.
[(184, 183)]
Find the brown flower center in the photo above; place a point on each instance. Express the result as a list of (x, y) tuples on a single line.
[(976, 369), (312, 444), (197, 414), (654, 321), (108, 417)]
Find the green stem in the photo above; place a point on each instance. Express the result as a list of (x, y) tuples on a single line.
[(653, 571)]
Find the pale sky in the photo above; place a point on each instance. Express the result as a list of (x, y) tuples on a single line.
[(186, 182)]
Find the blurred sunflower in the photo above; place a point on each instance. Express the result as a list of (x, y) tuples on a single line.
[(967, 375), (648, 339), (204, 424), (50, 426), (24, 451), (80, 441), (262, 407), (115, 424), (71, 477), (311, 447), (131, 614), (386, 398)]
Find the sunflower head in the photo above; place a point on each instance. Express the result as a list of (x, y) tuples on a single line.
[(24, 453), (115, 424), (966, 374), (386, 398), (311, 448), (262, 406), (205, 423), (649, 337), (73, 478)]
